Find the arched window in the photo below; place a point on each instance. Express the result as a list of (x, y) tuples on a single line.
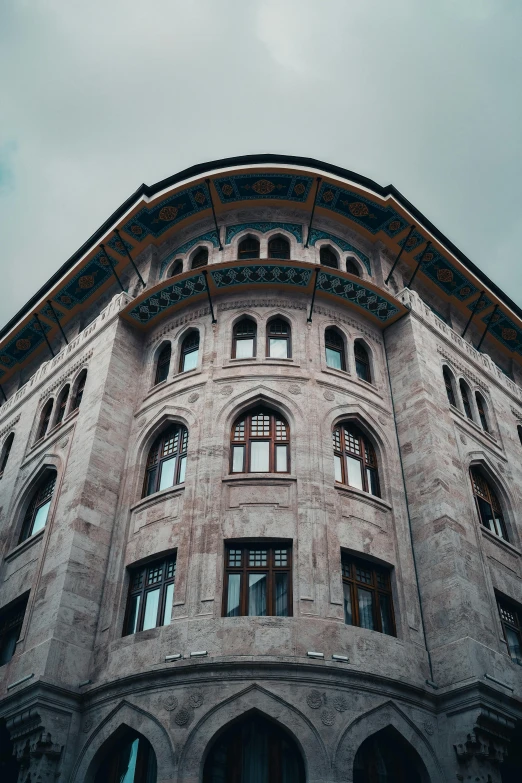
[(61, 405), (464, 391), (327, 257), (130, 759), (362, 362), (38, 508), (80, 387), (248, 248), (45, 418), (245, 337), (386, 757), (352, 268), (278, 339), (488, 506), (6, 450), (254, 749), (450, 390), (176, 268), (189, 352), (355, 459), (200, 258), (334, 345), (163, 364), (167, 460), (278, 247), (260, 443), (11, 621), (151, 593), (481, 407), (519, 430), (367, 595)]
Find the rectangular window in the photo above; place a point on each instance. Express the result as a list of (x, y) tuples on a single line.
[(258, 580), (278, 348), (245, 348), (259, 456), (190, 361), (367, 595), (11, 621), (511, 619), (333, 359), (151, 595), (354, 467), (281, 459), (238, 459)]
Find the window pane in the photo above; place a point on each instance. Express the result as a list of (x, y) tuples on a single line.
[(234, 585), (238, 454), (151, 482), (361, 369), (41, 517), (386, 618), (259, 456), (190, 361), (338, 468), (281, 459), (150, 618), (132, 625), (348, 613), (333, 359), (486, 514), (281, 595), (278, 348), (182, 469), (371, 477), (244, 349), (9, 640), (129, 768), (168, 468), (257, 595), (354, 472), (513, 640), (365, 608), (167, 612)]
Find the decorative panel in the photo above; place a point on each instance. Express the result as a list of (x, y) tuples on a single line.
[(361, 210), (505, 331), (241, 187), (258, 273), (169, 296), (358, 294), (156, 220), (444, 274)]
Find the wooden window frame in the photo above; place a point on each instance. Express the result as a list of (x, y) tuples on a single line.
[(283, 240), (334, 347), (350, 565), (450, 390), (322, 252), (510, 617), (246, 255), (6, 451), (487, 494), (195, 262), (140, 586), (42, 494), (362, 359), (249, 438), (156, 457), (235, 337), (279, 336), (11, 617), (184, 350), (163, 360), (80, 388), (365, 455), (245, 569)]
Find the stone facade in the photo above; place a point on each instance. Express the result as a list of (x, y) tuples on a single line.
[(445, 682)]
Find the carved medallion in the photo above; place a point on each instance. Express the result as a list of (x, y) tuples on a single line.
[(340, 703), (193, 397), (314, 700), (196, 699), (329, 395), (328, 717), (294, 389), (170, 702), (226, 391), (183, 716), (429, 728)]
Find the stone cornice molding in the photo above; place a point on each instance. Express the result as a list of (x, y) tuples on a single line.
[(66, 376), (461, 368)]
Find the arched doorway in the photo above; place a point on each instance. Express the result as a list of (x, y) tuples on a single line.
[(511, 768), (254, 750), (127, 758), (386, 757)]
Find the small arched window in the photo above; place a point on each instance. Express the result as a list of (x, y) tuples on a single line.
[(61, 405), (352, 268), (167, 460), (362, 362), (130, 759), (248, 248), (6, 450), (176, 268), (355, 459), (163, 364), (260, 443), (245, 337), (80, 387), (45, 418), (327, 257), (448, 383), (464, 391), (481, 407), (488, 506), (334, 345), (278, 247), (278, 338), (38, 509), (200, 258), (189, 352), (519, 430)]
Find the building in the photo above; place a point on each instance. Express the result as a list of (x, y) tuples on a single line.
[(261, 511)]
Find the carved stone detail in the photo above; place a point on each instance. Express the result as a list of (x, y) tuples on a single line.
[(170, 702), (294, 389), (314, 700), (328, 717), (485, 747), (34, 748), (9, 426), (195, 699), (429, 728), (461, 368), (183, 716), (329, 395), (340, 703), (226, 391), (193, 397)]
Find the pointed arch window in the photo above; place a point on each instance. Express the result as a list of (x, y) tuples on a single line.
[(352, 268), (355, 459), (45, 418), (519, 430), (511, 619), (362, 362), (278, 339), (278, 247), (327, 257), (367, 595), (248, 248), (245, 339), (131, 759), (488, 505), (61, 405), (260, 443), (6, 450), (80, 387), (335, 354), (167, 460), (163, 364), (464, 391), (200, 258), (189, 352), (481, 407), (448, 383), (11, 621), (37, 512), (176, 268), (151, 594)]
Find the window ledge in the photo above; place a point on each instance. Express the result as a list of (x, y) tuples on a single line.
[(345, 374), (474, 425), (500, 541), (56, 432), (372, 500), (156, 497), (246, 477), (24, 546)]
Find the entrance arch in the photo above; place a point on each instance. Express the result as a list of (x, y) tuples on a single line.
[(127, 757), (386, 757)]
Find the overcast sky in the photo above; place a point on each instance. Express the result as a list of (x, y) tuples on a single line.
[(97, 97)]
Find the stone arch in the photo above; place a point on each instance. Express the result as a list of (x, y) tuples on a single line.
[(385, 716), (163, 343), (47, 463), (280, 233), (341, 330), (368, 348), (126, 715), (175, 268), (479, 459), (274, 708), (248, 233), (353, 258)]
